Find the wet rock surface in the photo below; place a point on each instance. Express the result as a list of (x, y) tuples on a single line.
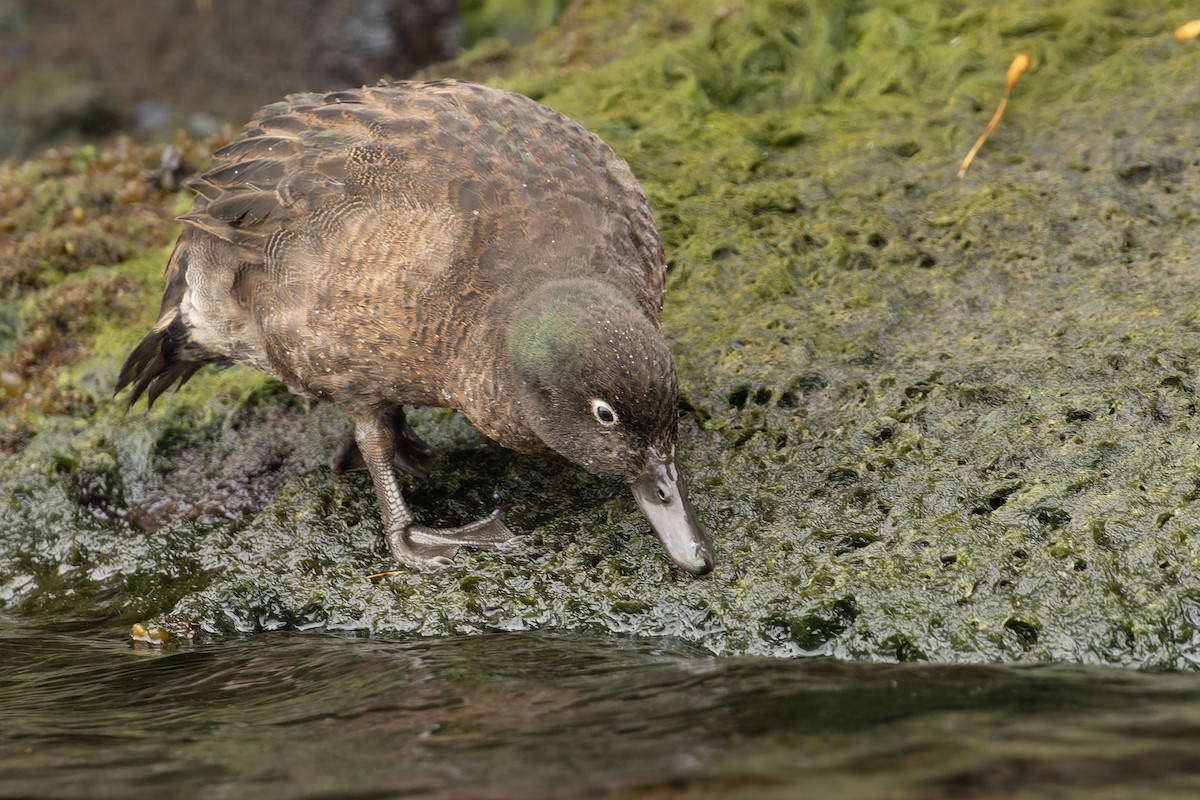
[(924, 418)]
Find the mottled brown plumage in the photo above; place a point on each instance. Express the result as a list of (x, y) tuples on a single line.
[(435, 244)]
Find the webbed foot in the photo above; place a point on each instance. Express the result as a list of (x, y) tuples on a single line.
[(378, 441), (429, 548)]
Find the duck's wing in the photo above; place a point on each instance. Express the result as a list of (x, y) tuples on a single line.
[(534, 190), (291, 157)]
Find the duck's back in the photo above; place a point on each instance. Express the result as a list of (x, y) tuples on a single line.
[(383, 223)]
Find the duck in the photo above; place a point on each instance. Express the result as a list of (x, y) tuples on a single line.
[(436, 244)]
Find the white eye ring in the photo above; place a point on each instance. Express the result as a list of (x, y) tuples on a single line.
[(604, 413)]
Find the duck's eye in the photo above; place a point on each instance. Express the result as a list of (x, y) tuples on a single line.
[(604, 413)]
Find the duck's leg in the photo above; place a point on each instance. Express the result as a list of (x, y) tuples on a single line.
[(413, 544), (413, 456)]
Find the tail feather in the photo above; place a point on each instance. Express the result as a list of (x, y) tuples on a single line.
[(165, 356), (158, 361)]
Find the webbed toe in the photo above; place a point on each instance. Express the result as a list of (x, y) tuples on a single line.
[(429, 548)]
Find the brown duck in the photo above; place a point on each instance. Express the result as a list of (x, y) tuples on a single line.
[(436, 244)]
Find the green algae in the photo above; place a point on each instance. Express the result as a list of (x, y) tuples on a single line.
[(50, 103), (513, 21), (924, 418)]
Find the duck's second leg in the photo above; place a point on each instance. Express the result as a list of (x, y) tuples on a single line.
[(413, 456), (411, 543)]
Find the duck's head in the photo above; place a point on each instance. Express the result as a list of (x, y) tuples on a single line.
[(596, 382)]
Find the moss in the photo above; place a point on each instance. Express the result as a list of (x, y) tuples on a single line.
[(513, 21), (73, 262), (925, 418), (51, 103)]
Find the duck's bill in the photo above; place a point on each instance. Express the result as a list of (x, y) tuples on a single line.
[(661, 494)]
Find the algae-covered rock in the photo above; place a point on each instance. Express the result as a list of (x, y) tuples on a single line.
[(924, 417)]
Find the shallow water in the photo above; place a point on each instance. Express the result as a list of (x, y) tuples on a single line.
[(527, 715)]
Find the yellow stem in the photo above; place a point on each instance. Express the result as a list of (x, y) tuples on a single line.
[(1015, 70)]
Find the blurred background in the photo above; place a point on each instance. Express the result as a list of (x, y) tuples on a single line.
[(71, 71)]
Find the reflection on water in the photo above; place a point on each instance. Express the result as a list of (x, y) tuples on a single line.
[(522, 715)]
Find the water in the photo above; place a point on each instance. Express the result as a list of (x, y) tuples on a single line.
[(83, 714)]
